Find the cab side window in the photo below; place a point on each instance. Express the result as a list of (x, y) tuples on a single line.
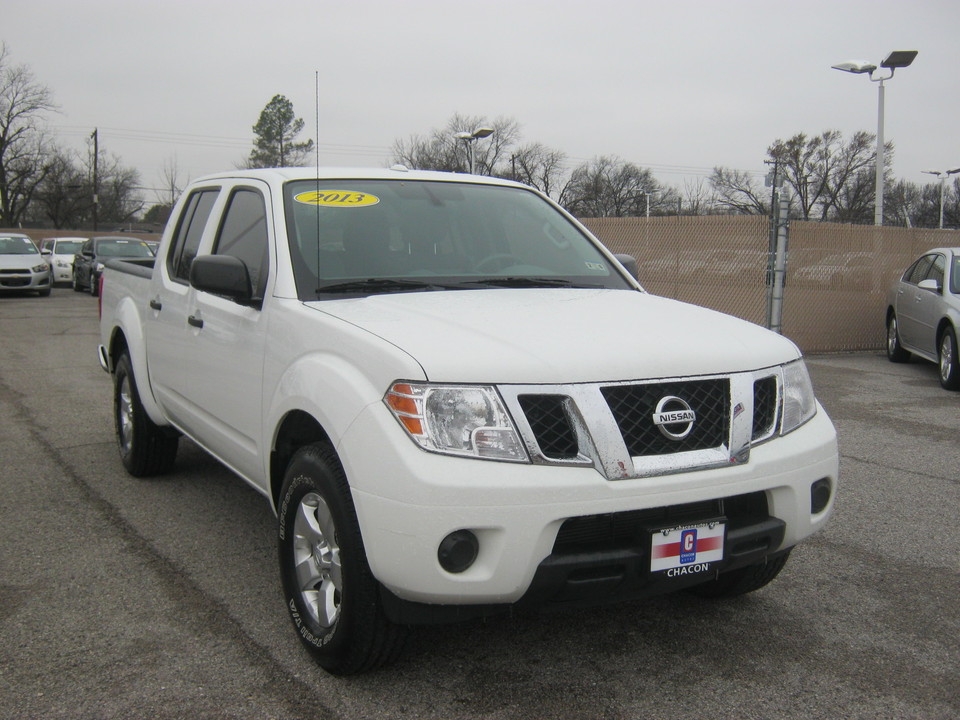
[(189, 231), (243, 234)]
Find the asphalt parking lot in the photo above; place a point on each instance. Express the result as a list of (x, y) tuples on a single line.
[(123, 598)]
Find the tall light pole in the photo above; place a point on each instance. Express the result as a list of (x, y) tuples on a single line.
[(646, 197), (469, 138), (896, 59), (943, 175)]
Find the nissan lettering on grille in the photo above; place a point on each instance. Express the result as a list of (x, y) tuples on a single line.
[(674, 417)]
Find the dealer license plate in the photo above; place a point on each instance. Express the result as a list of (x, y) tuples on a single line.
[(687, 549)]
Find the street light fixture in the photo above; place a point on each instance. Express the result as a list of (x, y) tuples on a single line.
[(896, 59), (470, 138), (942, 175)]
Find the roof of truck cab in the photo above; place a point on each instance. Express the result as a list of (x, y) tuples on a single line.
[(348, 173)]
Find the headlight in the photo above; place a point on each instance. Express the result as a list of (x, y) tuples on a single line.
[(99, 267), (42, 267), (799, 403), (465, 420)]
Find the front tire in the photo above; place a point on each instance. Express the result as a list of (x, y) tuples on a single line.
[(742, 580), (76, 283), (948, 361), (331, 595), (94, 285), (145, 448), (895, 351)]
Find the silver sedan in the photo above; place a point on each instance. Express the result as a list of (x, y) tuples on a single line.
[(923, 312)]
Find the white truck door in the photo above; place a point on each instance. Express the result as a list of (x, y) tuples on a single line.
[(229, 339), (169, 337)]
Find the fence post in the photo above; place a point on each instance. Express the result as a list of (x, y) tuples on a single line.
[(777, 266)]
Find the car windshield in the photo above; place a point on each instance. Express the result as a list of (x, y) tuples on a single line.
[(17, 246), (369, 236), (123, 248), (67, 247)]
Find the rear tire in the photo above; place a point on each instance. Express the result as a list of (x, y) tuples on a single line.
[(949, 363), (895, 351), (331, 595), (145, 448), (742, 580)]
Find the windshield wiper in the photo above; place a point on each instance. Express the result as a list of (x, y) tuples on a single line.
[(387, 285), (532, 282)]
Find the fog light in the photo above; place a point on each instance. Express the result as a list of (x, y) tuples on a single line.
[(457, 551), (819, 496)]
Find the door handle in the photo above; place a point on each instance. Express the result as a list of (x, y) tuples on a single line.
[(155, 304), (195, 321)]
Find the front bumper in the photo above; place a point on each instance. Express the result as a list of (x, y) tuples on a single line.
[(13, 280), (408, 501)]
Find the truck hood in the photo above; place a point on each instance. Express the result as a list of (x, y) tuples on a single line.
[(554, 336)]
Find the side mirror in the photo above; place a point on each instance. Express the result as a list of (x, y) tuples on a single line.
[(629, 263), (929, 284), (222, 275)]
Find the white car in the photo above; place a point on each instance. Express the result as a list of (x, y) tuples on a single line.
[(59, 253), (22, 267), (923, 313)]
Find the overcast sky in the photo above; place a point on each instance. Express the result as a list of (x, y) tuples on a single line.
[(676, 86)]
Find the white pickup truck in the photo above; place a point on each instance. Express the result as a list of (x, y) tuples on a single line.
[(457, 402)]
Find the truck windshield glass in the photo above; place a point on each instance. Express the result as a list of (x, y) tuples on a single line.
[(347, 236)]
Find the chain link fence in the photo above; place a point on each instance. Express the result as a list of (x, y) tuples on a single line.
[(837, 278)]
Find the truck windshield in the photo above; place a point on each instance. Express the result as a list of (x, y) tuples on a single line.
[(379, 236)]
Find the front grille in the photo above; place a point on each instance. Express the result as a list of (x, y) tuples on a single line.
[(764, 406), (550, 425), (595, 533), (633, 407)]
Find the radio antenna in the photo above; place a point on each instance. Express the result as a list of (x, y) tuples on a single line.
[(316, 74)]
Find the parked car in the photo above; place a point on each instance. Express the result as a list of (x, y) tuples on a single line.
[(59, 254), (22, 267), (88, 263), (923, 313)]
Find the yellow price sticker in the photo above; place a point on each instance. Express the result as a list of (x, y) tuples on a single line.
[(337, 198)]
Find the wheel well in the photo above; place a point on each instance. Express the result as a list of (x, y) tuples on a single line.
[(118, 345), (297, 430), (944, 324)]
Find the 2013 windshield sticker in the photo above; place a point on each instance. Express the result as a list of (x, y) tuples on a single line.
[(337, 198)]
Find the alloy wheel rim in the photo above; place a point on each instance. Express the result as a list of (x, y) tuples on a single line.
[(125, 416), (946, 358), (316, 557)]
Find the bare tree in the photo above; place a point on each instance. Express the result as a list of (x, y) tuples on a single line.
[(441, 150), (737, 190), (24, 152), (537, 165), (608, 187), (65, 196)]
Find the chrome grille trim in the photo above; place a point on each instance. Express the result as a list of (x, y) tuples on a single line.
[(599, 442)]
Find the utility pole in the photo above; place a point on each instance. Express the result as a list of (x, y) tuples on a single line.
[(96, 177)]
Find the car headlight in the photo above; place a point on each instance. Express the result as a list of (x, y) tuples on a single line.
[(42, 267), (99, 267), (464, 420), (799, 403)]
